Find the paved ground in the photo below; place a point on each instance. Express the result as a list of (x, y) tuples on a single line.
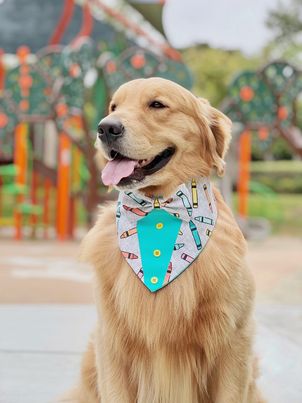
[(43, 272), (46, 316)]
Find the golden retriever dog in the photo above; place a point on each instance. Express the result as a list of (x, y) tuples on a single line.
[(190, 341)]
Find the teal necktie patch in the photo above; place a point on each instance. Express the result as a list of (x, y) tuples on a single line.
[(159, 237), (157, 233)]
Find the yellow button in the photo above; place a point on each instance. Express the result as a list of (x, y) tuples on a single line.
[(156, 252), (154, 280), (159, 225)]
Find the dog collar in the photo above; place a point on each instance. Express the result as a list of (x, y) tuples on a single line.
[(160, 238)]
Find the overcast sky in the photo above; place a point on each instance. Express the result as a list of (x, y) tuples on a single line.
[(231, 24)]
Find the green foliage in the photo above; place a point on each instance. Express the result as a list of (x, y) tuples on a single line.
[(281, 150), (290, 167), (299, 112), (285, 21), (283, 211), (276, 148), (213, 70), (280, 176), (257, 151)]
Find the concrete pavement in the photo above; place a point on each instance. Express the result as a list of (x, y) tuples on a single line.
[(46, 317), (41, 348)]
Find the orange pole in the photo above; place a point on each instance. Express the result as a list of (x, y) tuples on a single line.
[(2, 71), (63, 23), (47, 189), (20, 159), (72, 214), (87, 24), (63, 186), (2, 79), (76, 184), (244, 172), (34, 188), (0, 197), (21, 151)]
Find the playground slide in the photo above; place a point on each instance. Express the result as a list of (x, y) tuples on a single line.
[(293, 135)]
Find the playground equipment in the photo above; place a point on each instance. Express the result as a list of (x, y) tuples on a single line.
[(263, 102), (37, 97), (48, 115), (135, 63)]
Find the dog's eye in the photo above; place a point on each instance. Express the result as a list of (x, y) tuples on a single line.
[(156, 105), (113, 107)]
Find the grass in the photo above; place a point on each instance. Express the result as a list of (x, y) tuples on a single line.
[(284, 211), (280, 176), (276, 167)]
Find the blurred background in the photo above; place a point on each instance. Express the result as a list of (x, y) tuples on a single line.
[(60, 61)]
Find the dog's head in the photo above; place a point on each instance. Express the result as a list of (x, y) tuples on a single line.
[(158, 135)]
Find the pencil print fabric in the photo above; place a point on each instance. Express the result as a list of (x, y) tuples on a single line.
[(159, 237)]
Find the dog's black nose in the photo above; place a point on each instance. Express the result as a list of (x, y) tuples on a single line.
[(110, 130)]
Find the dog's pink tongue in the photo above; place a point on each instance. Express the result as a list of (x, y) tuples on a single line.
[(115, 170)]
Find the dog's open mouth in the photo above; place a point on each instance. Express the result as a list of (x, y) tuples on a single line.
[(122, 170)]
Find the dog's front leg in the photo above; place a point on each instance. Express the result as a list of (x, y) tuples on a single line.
[(235, 375), (113, 376)]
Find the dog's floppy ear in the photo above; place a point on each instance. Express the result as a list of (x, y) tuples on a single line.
[(220, 127)]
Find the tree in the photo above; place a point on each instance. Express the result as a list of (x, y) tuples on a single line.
[(286, 20), (213, 70)]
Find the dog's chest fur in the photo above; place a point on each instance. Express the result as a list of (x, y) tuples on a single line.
[(181, 329)]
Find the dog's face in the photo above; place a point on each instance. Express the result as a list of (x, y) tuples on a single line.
[(158, 135)]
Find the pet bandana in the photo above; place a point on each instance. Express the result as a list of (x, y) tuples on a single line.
[(160, 238)]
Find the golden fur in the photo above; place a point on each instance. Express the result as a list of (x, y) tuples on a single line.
[(190, 342)]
